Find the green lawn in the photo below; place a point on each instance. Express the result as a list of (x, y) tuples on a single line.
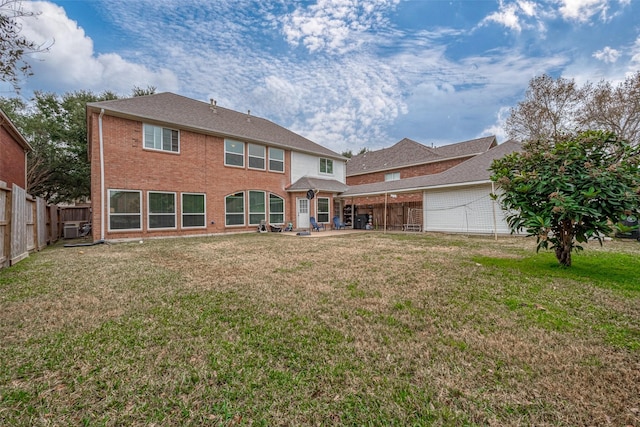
[(358, 329)]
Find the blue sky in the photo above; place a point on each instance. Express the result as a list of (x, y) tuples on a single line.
[(344, 73)]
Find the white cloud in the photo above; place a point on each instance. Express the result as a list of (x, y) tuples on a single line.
[(71, 64), (507, 16), (607, 55), (515, 15), (498, 128), (583, 10), (635, 55), (336, 26)]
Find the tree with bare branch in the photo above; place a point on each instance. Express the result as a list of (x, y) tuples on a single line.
[(13, 45), (616, 109), (556, 107)]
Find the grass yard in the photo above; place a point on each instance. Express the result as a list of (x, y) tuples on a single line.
[(358, 329)]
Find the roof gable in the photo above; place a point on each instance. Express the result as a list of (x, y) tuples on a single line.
[(6, 123), (410, 153), (189, 114), (475, 169)]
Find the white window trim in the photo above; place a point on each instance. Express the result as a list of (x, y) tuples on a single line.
[(276, 160), (175, 212), (284, 209), (182, 214), (328, 212), (391, 176), (320, 166), (264, 202), (236, 154), (244, 212), (161, 150), (264, 156), (122, 230)]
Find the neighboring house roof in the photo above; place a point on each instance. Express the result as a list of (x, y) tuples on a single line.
[(6, 123), (407, 153), (328, 185), (189, 114), (473, 170)]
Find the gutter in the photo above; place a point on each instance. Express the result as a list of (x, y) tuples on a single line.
[(102, 204), (413, 189)]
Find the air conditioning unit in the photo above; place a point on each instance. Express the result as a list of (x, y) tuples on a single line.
[(71, 231)]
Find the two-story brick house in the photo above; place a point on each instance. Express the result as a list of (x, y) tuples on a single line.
[(167, 165), (13, 154)]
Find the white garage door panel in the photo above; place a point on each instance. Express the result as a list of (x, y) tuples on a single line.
[(462, 210)]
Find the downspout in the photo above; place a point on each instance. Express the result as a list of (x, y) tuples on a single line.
[(493, 205), (102, 204)]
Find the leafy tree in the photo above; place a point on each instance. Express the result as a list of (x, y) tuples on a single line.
[(14, 46), (569, 189), (138, 91), (58, 169)]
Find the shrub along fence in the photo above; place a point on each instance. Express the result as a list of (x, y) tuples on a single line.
[(27, 224)]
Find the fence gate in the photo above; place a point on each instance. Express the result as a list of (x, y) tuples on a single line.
[(19, 249)]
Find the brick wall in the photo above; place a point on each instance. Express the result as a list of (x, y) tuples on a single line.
[(198, 168), (408, 172), (12, 160)]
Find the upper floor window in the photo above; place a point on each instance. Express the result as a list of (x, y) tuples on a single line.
[(233, 153), (392, 176), (257, 156), (326, 166), (276, 159), (159, 138)]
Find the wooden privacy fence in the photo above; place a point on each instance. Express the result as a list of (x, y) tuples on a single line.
[(27, 224)]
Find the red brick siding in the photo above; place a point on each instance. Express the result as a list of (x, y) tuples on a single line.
[(12, 160), (198, 168), (408, 172)]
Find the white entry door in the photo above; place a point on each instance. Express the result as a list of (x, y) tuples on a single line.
[(303, 213)]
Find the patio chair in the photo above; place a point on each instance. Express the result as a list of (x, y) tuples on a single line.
[(315, 225), (337, 225)]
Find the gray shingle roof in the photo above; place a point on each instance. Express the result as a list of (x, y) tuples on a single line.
[(410, 153), (329, 185), (475, 169), (185, 113)]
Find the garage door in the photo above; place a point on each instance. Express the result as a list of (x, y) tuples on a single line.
[(463, 210)]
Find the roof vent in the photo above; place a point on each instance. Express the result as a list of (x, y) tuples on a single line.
[(213, 105), (248, 115)]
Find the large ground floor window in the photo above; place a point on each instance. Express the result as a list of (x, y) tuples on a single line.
[(276, 209), (323, 209), (234, 209), (125, 210), (257, 207), (162, 210), (193, 210)]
